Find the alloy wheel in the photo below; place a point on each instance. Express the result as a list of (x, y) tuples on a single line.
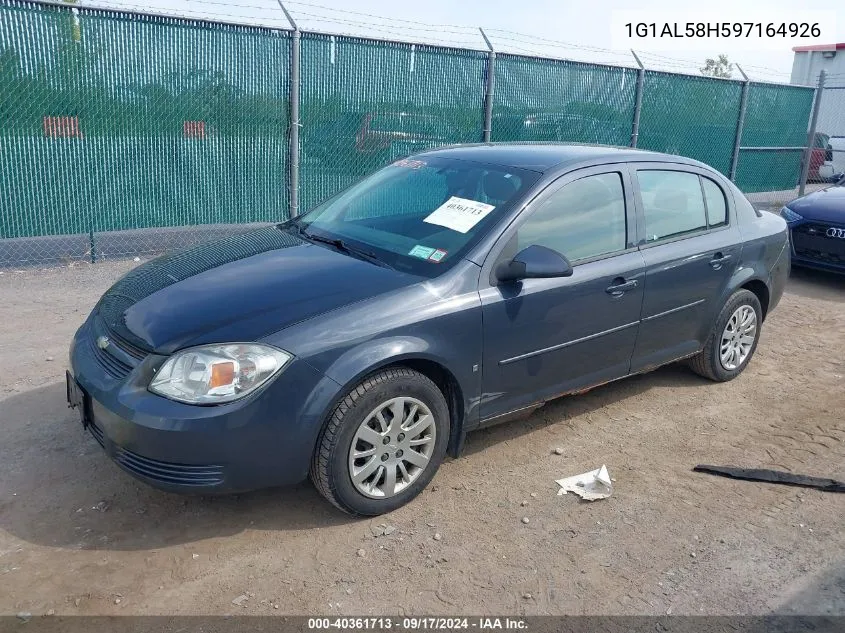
[(392, 447), (738, 337)]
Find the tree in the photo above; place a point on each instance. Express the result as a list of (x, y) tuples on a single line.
[(719, 67)]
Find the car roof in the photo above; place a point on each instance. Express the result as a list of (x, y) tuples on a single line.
[(544, 157)]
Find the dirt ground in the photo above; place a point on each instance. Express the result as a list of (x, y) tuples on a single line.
[(78, 536)]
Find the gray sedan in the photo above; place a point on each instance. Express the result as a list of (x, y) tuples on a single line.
[(449, 291)]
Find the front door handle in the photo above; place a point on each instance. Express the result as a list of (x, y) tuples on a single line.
[(620, 286), (719, 260)]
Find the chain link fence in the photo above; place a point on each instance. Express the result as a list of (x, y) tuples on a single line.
[(827, 155), (111, 123), (126, 134), (366, 103), (552, 100), (772, 144)]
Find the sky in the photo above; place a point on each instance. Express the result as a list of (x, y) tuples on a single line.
[(568, 29)]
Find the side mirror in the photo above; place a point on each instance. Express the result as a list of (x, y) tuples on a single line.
[(534, 262)]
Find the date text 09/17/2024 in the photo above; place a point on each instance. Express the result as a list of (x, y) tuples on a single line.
[(419, 623)]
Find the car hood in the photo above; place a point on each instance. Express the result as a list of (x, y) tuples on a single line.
[(827, 205), (237, 289)]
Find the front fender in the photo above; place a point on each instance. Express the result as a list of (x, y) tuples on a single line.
[(438, 322), (365, 358)]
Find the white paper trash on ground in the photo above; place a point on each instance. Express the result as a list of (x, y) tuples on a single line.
[(589, 486)]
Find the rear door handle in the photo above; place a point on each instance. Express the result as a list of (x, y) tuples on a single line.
[(620, 286), (718, 260)]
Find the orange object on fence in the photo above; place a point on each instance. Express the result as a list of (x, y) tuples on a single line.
[(62, 127), (193, 129)]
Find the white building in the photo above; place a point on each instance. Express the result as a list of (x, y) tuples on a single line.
[(809, 61)]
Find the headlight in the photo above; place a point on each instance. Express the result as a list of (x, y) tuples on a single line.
[(789, 215), (217, 373)]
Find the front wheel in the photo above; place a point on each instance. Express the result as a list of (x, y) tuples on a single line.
[(732, 341), (383, 443)]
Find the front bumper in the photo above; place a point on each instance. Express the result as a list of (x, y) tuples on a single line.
[(817, 264), (264, 440), (813, 248)]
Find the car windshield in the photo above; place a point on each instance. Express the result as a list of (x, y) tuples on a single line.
[(417, 215)]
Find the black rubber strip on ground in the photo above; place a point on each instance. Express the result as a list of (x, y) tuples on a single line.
[(774, 477)]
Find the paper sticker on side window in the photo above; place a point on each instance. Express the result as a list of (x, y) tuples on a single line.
[(459, 214)]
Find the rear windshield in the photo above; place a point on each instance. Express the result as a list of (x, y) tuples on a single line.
[(419, 215)]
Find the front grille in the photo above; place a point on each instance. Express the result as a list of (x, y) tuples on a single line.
[(114, 366), (133, 350), (97, 432), (99, 328), (820, 256), (811, 242), (167, 472), (120, 356)]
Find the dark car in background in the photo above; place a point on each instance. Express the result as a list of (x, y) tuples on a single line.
[(449, 291), (377, 137), (820, 154), (817, 228), (560, 127)]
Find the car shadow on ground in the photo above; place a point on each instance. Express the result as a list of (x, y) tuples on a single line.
[(59, 489), (820, 593), (817, 284)]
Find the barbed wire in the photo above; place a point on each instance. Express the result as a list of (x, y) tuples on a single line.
[(399, 36), (523, 37), (246, 20), (697, 62), (322, 18), (417, 31), (377, 17)]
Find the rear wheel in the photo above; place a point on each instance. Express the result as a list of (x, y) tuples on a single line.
[(383, 443), (732, 341)]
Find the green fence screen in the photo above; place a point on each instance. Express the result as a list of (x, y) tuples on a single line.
[(690, 116), (366, 103), (776, 116), (112, 120), (550, 100)]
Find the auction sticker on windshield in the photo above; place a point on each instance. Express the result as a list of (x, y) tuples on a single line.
[(437, 256), (423, 252), (459, 214)]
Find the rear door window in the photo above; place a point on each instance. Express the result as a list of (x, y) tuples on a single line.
[(717, 208), (673, 204)]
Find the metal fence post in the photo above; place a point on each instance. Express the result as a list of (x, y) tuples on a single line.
[(293, 155), (638, 101), (811, 135), (740, 123), (488, 92)]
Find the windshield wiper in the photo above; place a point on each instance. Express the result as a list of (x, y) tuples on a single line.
[(340, 245)]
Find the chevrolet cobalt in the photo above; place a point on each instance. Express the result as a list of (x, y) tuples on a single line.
[(455, 289)]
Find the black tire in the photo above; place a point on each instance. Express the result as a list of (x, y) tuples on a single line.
[(330, 466), (707, 362)]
